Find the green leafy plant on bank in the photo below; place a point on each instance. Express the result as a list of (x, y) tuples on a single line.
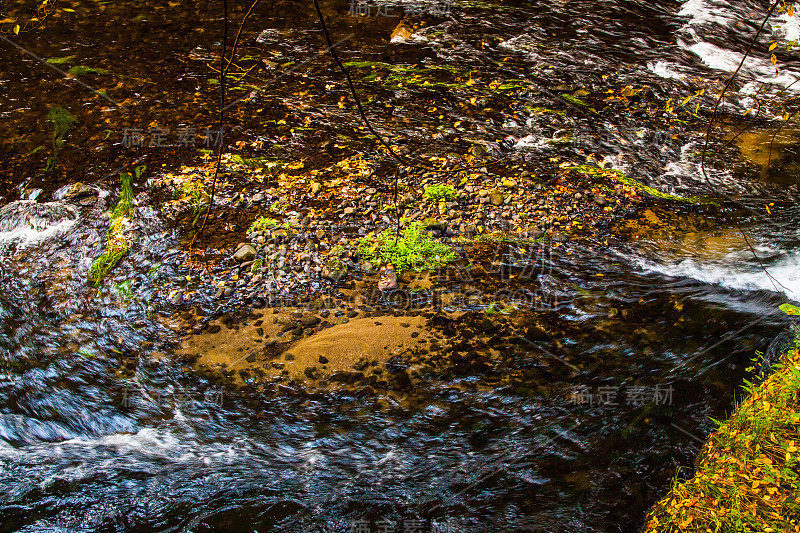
[(198, 196), (263, 224), (747, 477), (118, 237), (413, 250), (439, 192)]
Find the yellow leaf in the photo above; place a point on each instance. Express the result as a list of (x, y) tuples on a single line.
[(16, 29), (790, 11), (773, 59), (68, 10), (773, 46), (686, 100)]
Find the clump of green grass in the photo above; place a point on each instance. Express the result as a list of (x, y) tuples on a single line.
[(263, 224), (118, 238), (414, 250), (254, 163), (439, 192), (198, 196)]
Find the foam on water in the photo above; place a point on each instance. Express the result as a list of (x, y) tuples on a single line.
[(735, 275), (26, 236)]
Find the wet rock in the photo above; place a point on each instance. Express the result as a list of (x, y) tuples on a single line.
[(536, 333), (478, 150), (334, 271), (309, 321), (79, 190), (347, 377), (496, 198), (245, 253)]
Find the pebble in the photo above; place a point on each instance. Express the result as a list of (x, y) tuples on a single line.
[(245, 253)]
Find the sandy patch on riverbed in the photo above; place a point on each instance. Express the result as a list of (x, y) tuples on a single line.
[(369, 339)]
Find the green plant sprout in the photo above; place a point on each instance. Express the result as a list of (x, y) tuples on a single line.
[(439, 192), (263, 224), (414, 250)]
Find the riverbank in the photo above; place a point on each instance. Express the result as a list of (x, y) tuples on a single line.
[(747, 476)]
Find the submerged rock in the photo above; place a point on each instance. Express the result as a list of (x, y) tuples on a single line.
[(79, 190)]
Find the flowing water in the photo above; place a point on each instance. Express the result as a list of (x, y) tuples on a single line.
[(683, 306)]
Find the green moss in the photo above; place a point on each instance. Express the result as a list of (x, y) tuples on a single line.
[(414, 250), (60, 60), (622, 178), (395, 76), (118, 238), (439, 192), (577, 101), (82, 70), (545, 110)]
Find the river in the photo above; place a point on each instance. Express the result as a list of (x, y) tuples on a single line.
[(679, 307)]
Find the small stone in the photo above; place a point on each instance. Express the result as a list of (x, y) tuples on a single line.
[(478, 150), (79, 190), (309, 321), (600, 200), (323, 360), (288, 357), (496, 197), (245, 253), (315, 187)]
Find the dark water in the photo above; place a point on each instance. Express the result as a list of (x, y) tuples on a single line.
[(682, 310)]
